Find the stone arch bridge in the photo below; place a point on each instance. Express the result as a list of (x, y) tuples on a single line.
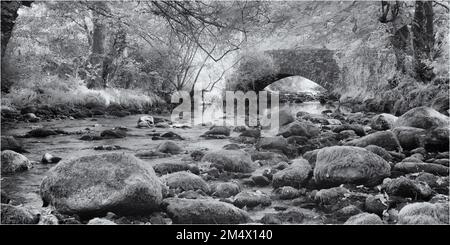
[(317, 65)]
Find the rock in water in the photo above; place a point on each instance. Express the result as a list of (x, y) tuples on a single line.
[(230, 160), (170, 167), (424, 213), (41, 132), (169, 147), (10, 143), (13, 162), (364, 219), (383, 121), (422, 117), (115, 133), (409, 137), (49, 158), (146, 122), (218, 130), (336, 165), (17, 215), (295, 175), (185, 181), (97, 184), (251, 199), (302, 128), (385, 139), (204, 211)]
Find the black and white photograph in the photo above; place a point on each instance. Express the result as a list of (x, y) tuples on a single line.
[(248, 113)]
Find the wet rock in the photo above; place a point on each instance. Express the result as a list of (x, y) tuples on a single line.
[(90, 137), (17, 215), (41, 133), (414, 167), (424, 213), (230, 160), (287, 193), (409, 137), (296, 175), (253, 133), (364, 219), (437, 139), (107, 148), (226, 189), (49, 158), (100, 221), (346, 212), (276, 144), (146, 122), (380, 152), (13, 162), (170, 167), (348, 164), (171, 136), (383, 121), (231, 147), (251, 199), (115, 133), (385, 139), (298, 128), (330, 196), (358, 129), (218, 130), (260, 180), (169, 147), (405, 187), (297, 140), (97, 184), (10, 143), (162, 125), (293, 216), (152, 154), (422, 117), (185, 181), (204, 211), (376, 204)]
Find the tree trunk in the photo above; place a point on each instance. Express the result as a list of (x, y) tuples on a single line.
[(97, 57), (423, 39), (9, 16)]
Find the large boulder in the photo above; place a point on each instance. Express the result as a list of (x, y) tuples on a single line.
[(410, 137), (97, 184), (405, 187), (385, 139), (422, 117), (185, 181), (295, 175), (230, 160), (13, 162), (336, 165), (424, 213), (204, 211), (10, 143), (383, 121)]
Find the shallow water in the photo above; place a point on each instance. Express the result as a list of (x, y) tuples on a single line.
[(23, 188)]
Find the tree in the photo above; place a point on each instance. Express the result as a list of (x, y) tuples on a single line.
[(423, 39), (9, 15)]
